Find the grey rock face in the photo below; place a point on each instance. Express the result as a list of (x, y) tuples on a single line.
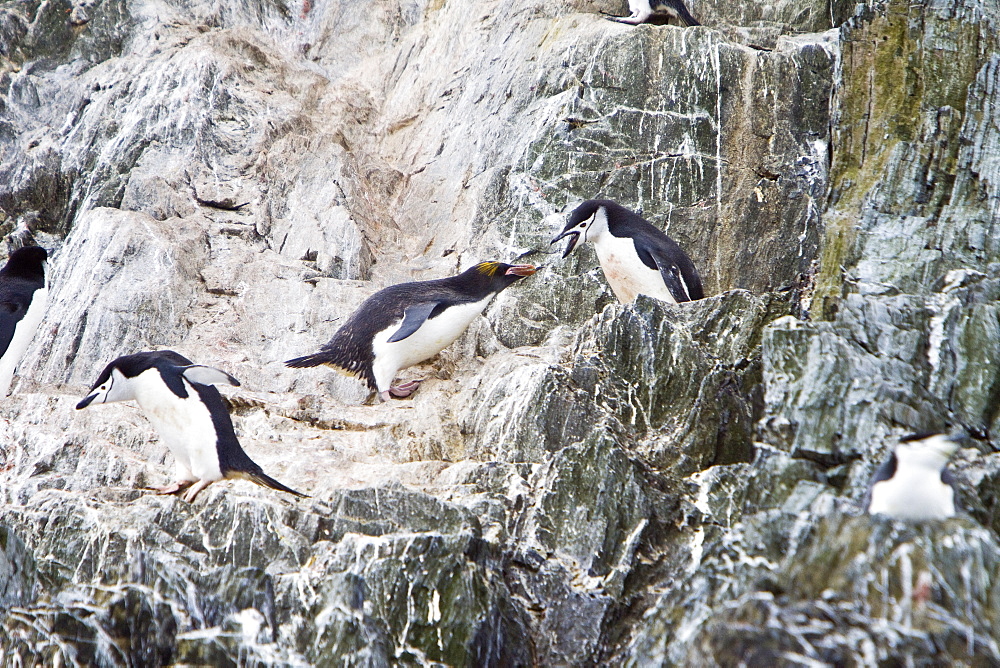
[(577, 481)]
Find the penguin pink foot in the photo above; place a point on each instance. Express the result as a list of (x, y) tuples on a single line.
[(404, 390), (195, 489), (186, 489), (399, 391), (172, 488)]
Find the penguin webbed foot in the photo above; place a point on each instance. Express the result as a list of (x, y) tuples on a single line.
[(194, 489), (404, 390), (173, 488), (188, 489), (400, 391), (628, 20)]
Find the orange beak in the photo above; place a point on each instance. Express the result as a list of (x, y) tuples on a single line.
[(521, 270)]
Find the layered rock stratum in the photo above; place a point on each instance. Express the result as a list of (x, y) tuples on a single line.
[(577, 482)]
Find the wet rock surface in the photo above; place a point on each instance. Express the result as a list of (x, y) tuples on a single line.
[(576, 481)]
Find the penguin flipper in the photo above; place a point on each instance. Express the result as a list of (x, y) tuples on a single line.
[(628, 20), (671, 274), (885, 471), (413, 317), (206, 375), (675, 267)]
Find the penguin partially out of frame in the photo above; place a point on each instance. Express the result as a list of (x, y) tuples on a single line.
[(23, 296), (656, 11)]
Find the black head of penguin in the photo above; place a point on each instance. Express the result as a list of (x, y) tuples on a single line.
[(488, 277), (579, 220), (112, 383), (26, 263)]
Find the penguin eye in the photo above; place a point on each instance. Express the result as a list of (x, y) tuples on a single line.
[(583, 224)]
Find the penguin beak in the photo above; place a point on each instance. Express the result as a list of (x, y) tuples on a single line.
[(572, 242), (521, 270), (86, 401)]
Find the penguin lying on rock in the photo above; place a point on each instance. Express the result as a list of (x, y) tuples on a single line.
[(179, 399), (913, 483), (408, 323), (22, 304), (636, 257), (656, 11)]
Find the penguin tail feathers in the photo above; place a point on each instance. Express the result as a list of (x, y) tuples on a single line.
[(316, 359), (265, 480)]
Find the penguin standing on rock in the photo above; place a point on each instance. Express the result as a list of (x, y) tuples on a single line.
[(636, 257), (408, 323), (179, 399), (656, 11), (913, 484), (23, 296)]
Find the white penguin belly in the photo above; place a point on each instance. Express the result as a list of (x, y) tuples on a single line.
[(626, 273), (913, 496), (641, 9), (433, 336), (184, 425), (23, 333)]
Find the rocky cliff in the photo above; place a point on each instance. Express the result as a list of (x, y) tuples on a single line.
[(577, 482)]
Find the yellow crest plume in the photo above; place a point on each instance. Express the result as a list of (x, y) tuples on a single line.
[(488, 268)]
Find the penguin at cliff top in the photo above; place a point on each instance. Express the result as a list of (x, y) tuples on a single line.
[(636, 257), (913, 483), (650, 11), (178, 397), (408, 323), (23, 296)]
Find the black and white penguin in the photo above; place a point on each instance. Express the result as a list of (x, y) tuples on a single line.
[(636, 257), (186, 410), (658, 11), (23, 296), (913, 483), (408, 323)]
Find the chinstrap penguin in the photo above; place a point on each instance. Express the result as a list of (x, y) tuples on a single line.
[(913, 483), (178, 397), (659, 11), (635, 256), (23, 296), (408, 323)]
